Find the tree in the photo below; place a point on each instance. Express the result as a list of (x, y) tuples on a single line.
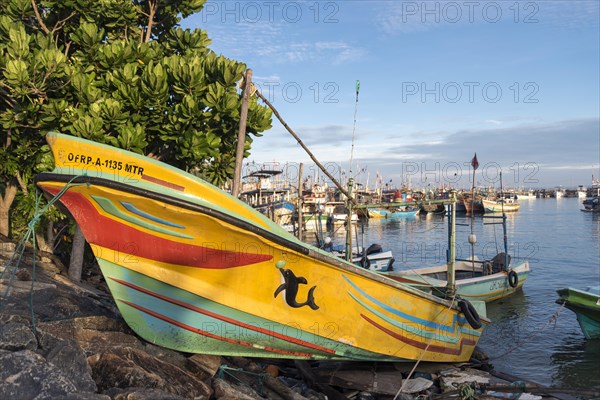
[(120, 72)]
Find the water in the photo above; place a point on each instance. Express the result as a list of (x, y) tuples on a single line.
[(526, 337)]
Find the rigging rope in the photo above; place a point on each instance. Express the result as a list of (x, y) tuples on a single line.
[(405, 381), (14, 261)]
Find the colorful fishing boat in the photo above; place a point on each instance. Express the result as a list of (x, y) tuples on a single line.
[(586, 305), (194, 269)]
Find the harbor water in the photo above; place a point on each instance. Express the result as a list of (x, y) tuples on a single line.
[(530, 336)]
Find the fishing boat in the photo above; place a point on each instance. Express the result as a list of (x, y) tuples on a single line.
[(586, 305), (393, 213), (194, 269), (502, 203), (373, 258), (269, 195), (474, 279)]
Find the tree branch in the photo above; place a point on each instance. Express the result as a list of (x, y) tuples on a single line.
[(39, 17), (22, 184), (153, 5)]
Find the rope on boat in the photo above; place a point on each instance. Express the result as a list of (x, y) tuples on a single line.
[(412, 371), (12, 265)]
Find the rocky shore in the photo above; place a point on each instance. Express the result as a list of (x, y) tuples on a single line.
[(60, 340)]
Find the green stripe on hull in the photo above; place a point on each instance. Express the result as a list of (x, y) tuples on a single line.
[(174, 318), (109, 207)]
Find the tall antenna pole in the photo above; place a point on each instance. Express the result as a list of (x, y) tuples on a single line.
[(354, 126), (349, 246)]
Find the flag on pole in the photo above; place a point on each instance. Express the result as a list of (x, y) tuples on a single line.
[(474, 162)]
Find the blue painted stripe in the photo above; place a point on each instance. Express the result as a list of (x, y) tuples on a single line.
[(416, 320), (131, 208), (410, 328)]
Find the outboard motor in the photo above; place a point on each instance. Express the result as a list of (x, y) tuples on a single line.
[(374, 248), (498, 262)]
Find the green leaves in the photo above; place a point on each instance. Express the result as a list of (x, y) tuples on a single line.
[(86, 69)]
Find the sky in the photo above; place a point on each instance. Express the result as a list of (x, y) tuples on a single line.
[(516, 82)]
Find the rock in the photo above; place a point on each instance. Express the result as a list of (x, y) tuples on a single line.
[(7, 249), (16, 334), (125, 367), (227, 391), (27, 375), (23, 275), (141, 394), (67, 355)]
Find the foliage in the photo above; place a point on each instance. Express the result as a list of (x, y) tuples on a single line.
[(120, 72)]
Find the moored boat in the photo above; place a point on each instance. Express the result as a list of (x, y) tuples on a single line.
[(586, 305), (484, 281), (392, 213), (194, 269), (502, 203)]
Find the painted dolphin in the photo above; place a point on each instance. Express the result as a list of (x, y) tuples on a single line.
[(291, 290)]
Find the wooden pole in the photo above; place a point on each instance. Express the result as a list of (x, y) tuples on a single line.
[(321, 167), (241, 139), (300, 202)]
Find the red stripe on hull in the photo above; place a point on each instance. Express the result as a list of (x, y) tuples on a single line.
[(213, 336), (162, 182), (421, 345), (225, 319), (107, 232)]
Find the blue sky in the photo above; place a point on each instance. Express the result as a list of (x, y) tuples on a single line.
[(515, 81)]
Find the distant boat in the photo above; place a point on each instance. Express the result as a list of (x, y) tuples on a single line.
[(502, 203), (529, 195), (591, 204), (194, 269), (270, 196), (586, 305), (581, 192), (559, 193), (392, 213)]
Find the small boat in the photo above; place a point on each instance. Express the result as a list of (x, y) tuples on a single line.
[(586, 305), (372, 258), (529, 195), (502, 203), (591, 204), (194, 269), (475, 280), (393, 213)]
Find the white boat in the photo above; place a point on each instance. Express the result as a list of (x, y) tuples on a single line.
[(530, 195), (581, 192), (502, 203)]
